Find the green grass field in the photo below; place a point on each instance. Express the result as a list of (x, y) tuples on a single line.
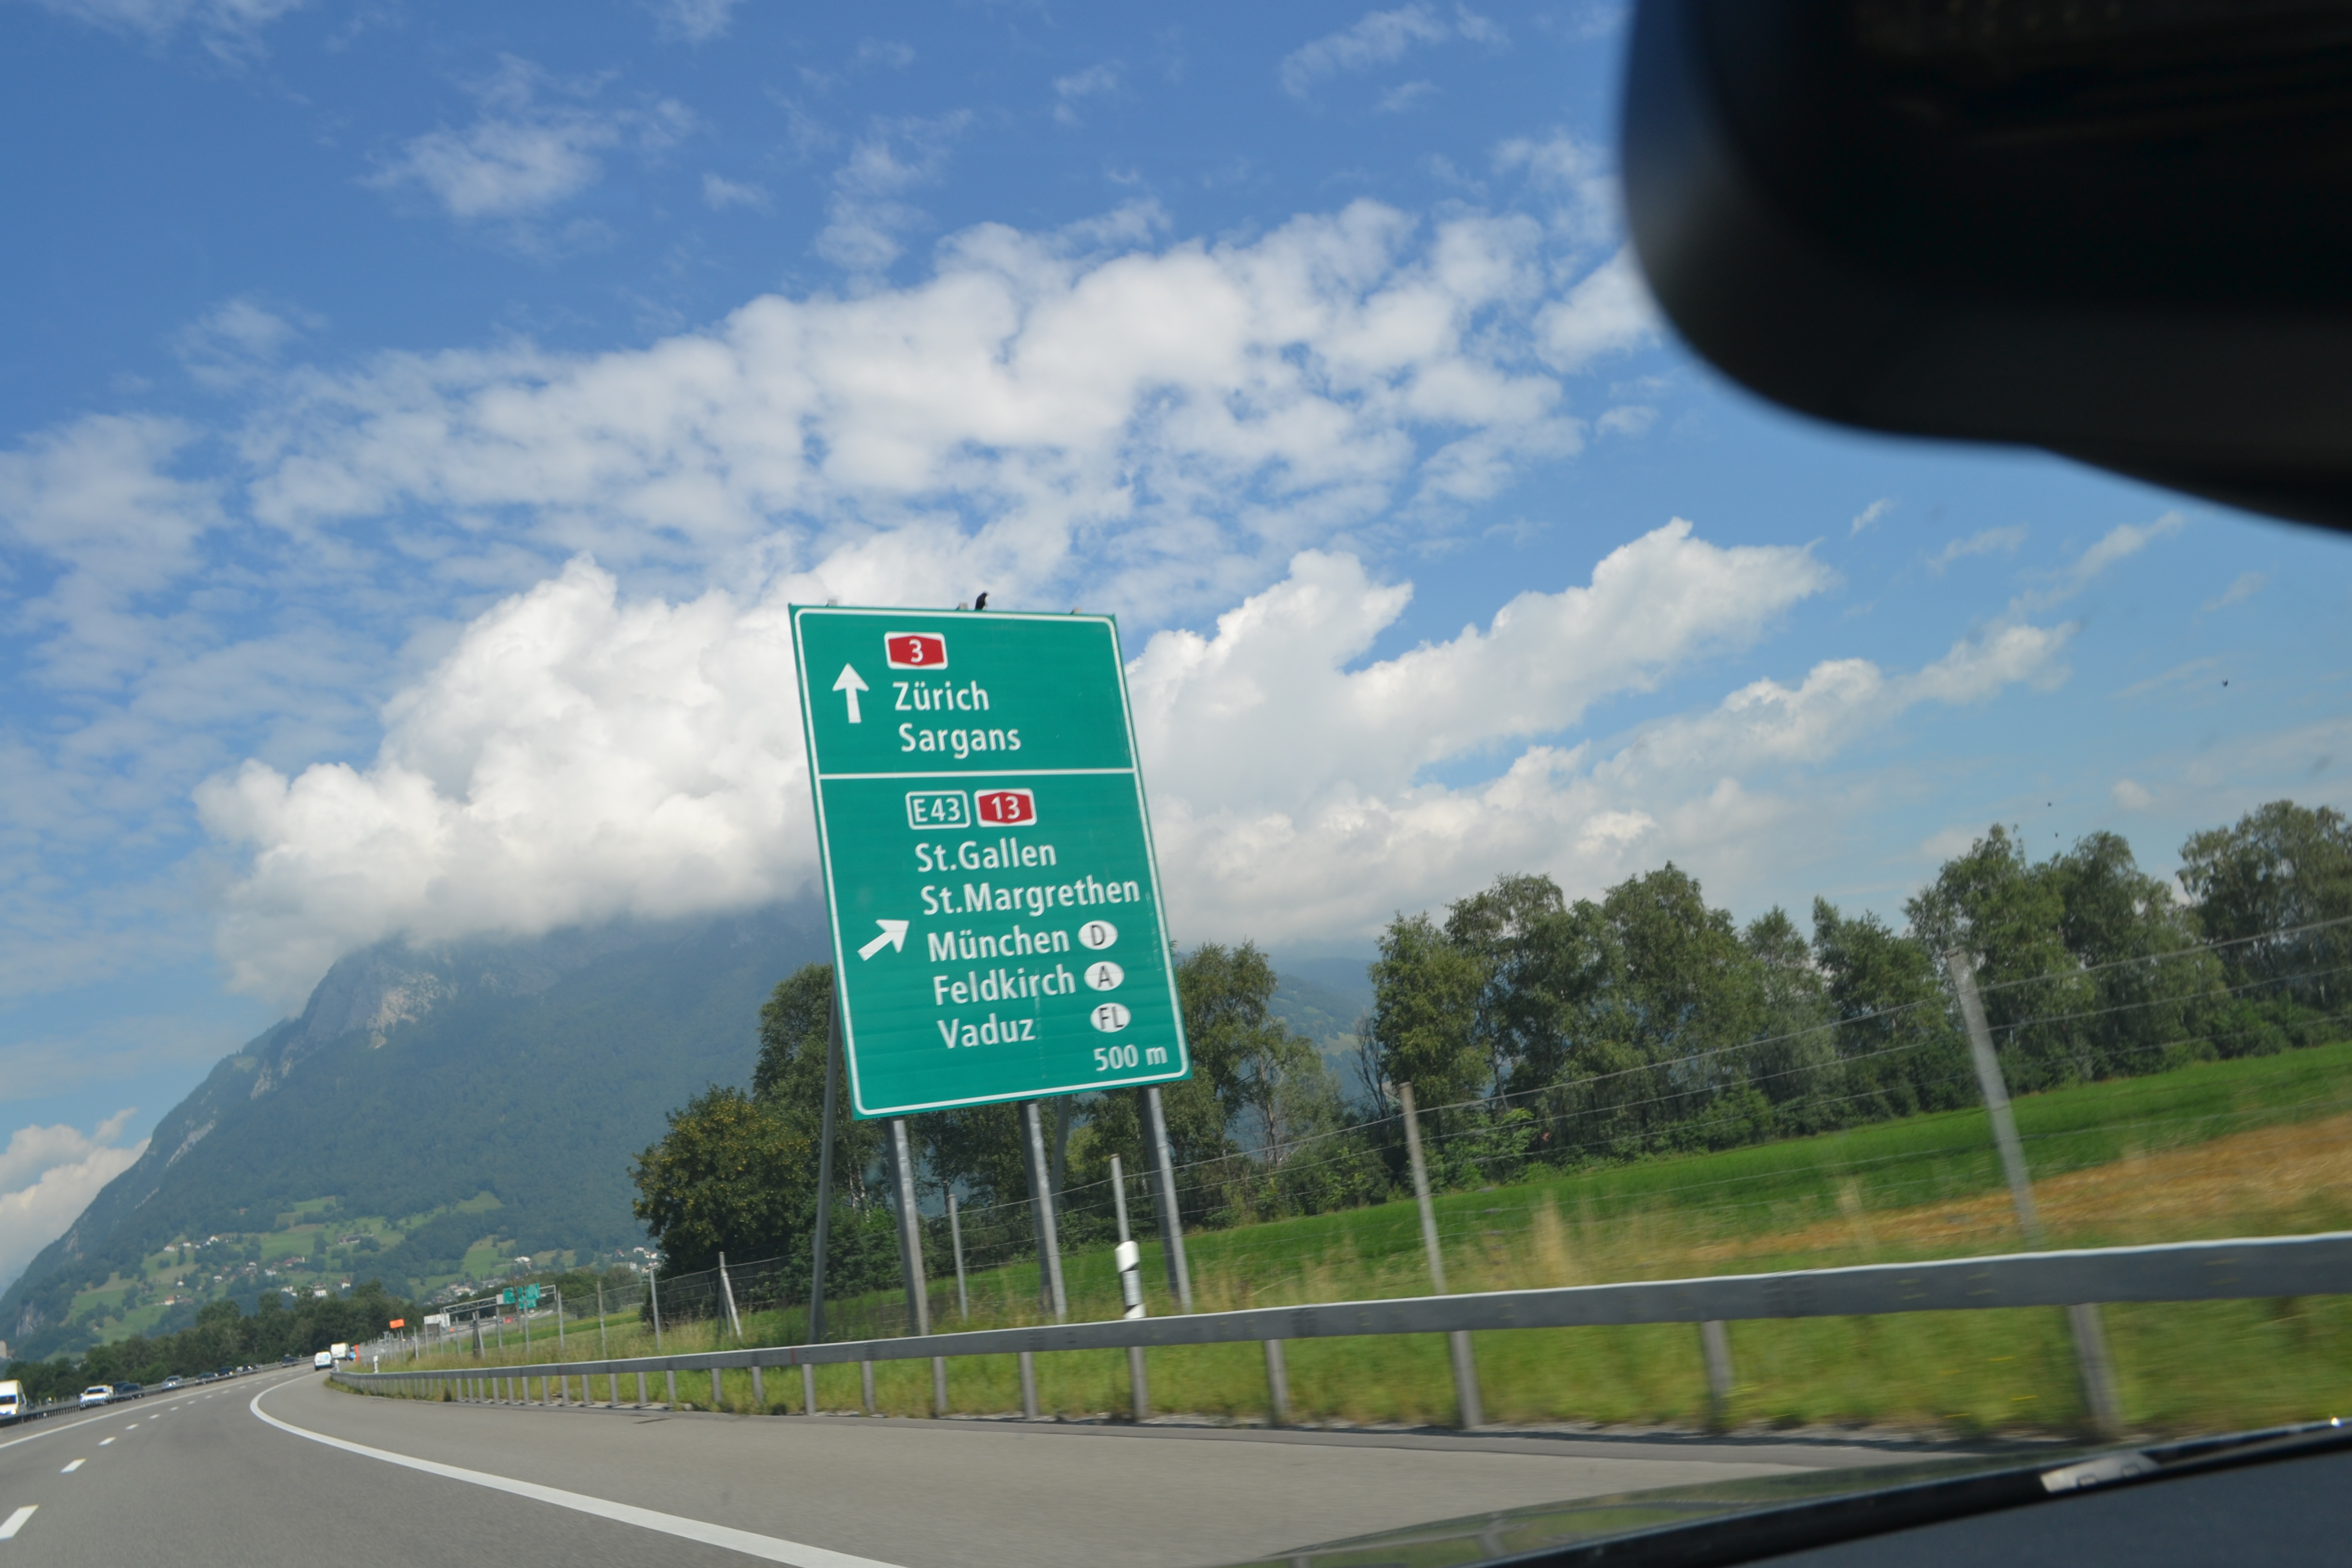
[(1870, 1191)]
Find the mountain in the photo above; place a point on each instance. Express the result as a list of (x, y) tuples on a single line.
[(427, 1102), (1324, 999)]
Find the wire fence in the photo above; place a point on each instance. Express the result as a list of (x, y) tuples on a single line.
[(1907, 1109)]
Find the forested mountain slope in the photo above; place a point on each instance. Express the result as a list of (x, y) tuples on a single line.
[(416, 1080)]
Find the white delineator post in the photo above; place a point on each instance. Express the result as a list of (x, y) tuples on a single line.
[(2090, 1335), (1466, 1366), (1129, 1258)]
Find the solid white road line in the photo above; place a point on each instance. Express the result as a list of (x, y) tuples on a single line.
[(767, 1547), (17, 1521), (76, 1464)]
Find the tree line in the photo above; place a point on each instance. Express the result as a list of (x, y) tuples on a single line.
[(223, 1334), (1538, 1030)]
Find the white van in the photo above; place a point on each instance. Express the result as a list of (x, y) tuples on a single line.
[(324, 1360), (12, 1402)]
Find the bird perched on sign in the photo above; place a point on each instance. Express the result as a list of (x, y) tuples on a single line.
[(981, 603)]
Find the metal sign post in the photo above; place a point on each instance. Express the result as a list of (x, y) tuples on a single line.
[(989, 880)]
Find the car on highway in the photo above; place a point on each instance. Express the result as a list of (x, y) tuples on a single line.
[(95, 1396), (127, 1390), (173, 1381), (12, 1402)]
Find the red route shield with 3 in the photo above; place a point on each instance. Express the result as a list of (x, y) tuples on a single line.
[(915, 650), (1005, 807)]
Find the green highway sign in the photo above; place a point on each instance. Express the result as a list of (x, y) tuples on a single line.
[(988, 865)]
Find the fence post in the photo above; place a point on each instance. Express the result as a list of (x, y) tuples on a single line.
[(1715, 1345), (955, 1239), (603, 1347), (1172, 1220), (1049, 1244), (1466, 1366), (2090, 1335), (653, 1288), (824, 1169), (727, 1293), (1130, 1290), (1277, 1383), (561, 1354)]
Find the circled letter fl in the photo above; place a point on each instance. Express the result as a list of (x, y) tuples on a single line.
[(1105, 975), (1110, 1017), (1096, 935)]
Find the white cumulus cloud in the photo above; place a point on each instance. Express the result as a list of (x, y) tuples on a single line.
[(580, 755), (1381, 38), (523, 154), (48, 1176)]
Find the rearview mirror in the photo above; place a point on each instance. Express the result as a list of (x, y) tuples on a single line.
[(2117, 229)]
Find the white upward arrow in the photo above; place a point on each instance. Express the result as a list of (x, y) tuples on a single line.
[(894, 933), (847, 682)]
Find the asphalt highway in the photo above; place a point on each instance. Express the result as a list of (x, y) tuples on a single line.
[(281, 1468)]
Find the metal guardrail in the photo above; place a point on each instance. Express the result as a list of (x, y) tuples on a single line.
[(2252, 1268)]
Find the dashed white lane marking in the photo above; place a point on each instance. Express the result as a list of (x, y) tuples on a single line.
[(76, 1464), (768, 1548), (102, 1442), (15, 1521)]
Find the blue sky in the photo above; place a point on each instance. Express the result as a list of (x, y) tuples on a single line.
[(413, 419)]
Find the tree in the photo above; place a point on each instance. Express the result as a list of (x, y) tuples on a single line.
[(730, 1175), (2261, 884), (1427, 991), (1994, 903), (1899, 1049)]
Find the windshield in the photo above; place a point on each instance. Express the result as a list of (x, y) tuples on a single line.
[(702, 692)]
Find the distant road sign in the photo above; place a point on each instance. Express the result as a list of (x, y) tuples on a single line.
[(994, 897)]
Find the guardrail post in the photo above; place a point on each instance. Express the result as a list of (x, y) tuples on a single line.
[(1714, 1344), (718, 1399), (1469, 1411), (1277, 1383), (758, 1391), (1028, 1386), (2090, 1335), (866, 1383), (1172, 1219), (808, 1388), (669, 1379)]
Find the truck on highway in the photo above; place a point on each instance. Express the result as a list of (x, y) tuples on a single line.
[(12, 1402), (343, 1352)]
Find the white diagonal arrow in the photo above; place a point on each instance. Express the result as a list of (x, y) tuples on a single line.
[(848, 683), (894, 933)]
